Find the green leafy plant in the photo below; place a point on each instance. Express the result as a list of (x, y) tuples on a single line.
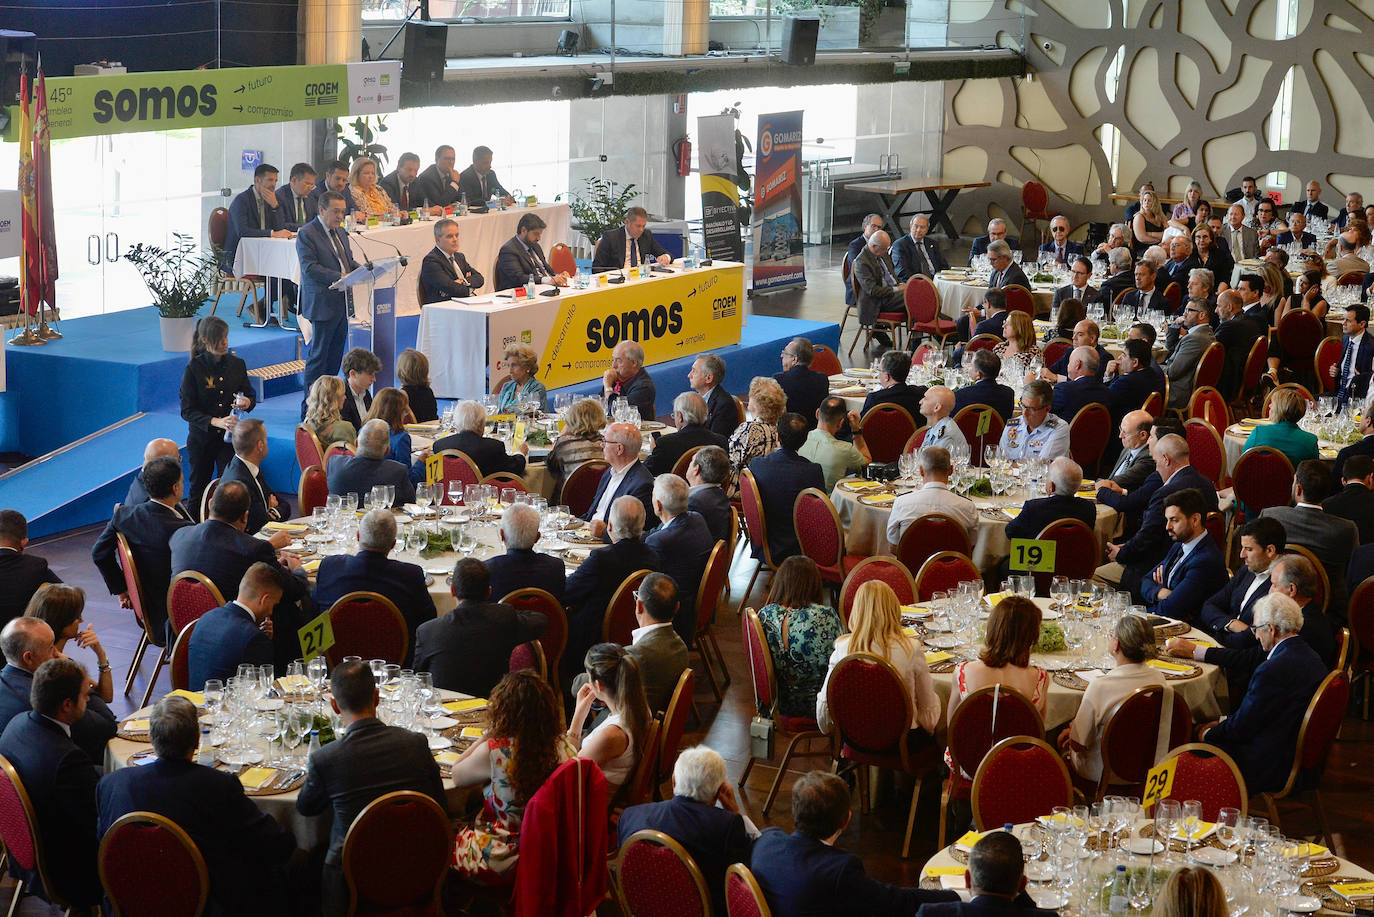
[(1051, 638), (363, 142), (601, 208), (742, 178), (181, 278)]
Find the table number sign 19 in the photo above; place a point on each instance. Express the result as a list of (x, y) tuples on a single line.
[(1032, 555)]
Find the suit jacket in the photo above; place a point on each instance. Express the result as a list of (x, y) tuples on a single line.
[(1069, 291), (91, 733), (907, 261), (441, 190), (320, 267), (684, 543), (137, 492), (801, 877), (714, 837), (986, 906), (368, 761), (1128, 391), (240, 842), (1150, 543), (900, 394), (589, 591), (258, 492), (353, 474), (805, 389), (994, 394), (1231, 604), (781, 475), (1131, 470), (60, 779), (1104, 356), (1242, 243), (148, 528), (440, 279), (471, 184), (875, 294), (1219, 262), (1183, 362), (1112, 287), (1038, 513), (1287, 238), (373, 571), (722, 414), (1356, 383), (1237, 335), (224, 554), (286, 200), (1309, 208), (1071, 250), (244, 223), (488, 454), (710, 501), (1262, 734), (638, 482), (515, 264), (639, 391), (22, 574), (349, 411), (468, 649), (225, 638), (1072, 396), (673, 446), (856, 245), (519, 569), (1012, 275), (1364, 446), (981, 243), (1356, 503), (610, 250), (415, 191), (1331, 538), (1194, 578), (1135, 300), (662, 655)]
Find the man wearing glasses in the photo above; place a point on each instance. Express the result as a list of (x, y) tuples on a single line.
[(1078, 286), (1196, 337), (1059, 245), (1036, 433)]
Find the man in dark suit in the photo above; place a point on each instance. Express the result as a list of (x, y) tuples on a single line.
[(333, 178), (468, 649), (1229, 616), (803, 873), (372, 570), (155, 448), (148, 528), (254, 213), (1082, 388), (445, 274), (997, 232), (689, 416), (250, 451), (662, 655), (1362, 446), (368, 761), (1062, 502), (359, 368), (1329, 537), (1297, 232), (1059, 248), (917, 253), (594, 582), (990, 318), (296, 197), (403, 188), (1262, 734), (781, 475), (1136, 462), (1355, 501), (1131, 380), (1079, 287), (357, 474), (322, 248), (1182, 262), (488, 454), (684, 543), (21, 573), (521, 257), (628, 380), (631, 245), (244, 848), (872, 223), (893, 368), (440, 183), (28, 643), (60, 779), (996, 879), (805, 387), (715, 836), (707, 379), (1237, 333), (1005, 271), (1193, 569), (1354, 208), (706, 477), (1146, 295), (987, 367), (1310, 205), (879, 290), (627, 477), (521, 566), (1350, 375), (238, 632), (480, 183)]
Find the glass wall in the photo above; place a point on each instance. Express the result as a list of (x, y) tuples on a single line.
[(396, 10)]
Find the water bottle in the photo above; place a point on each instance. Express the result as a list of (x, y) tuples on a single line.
[(1120, 900), (463, 205), (425, 215), (529, 286), (237, 413), (206, 753), (314, 742)]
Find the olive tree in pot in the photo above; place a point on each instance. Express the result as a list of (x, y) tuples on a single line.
[(181, 280)]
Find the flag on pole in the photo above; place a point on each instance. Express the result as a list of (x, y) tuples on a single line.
[(42, 180), (30, 274)]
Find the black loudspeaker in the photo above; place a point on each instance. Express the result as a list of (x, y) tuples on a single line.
[(18, 53), (799, 39), (423, 60)]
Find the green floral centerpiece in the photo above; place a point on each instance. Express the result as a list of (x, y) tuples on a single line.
[(1110, 332), (1051, 638), (1042, 277)]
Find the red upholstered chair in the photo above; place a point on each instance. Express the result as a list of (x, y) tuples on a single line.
[(20, 835), (529, 656), (1154, 405), (504, 479), (923, 307), (674, 725), (335, 449), (618, 622), (638, 787), (561, 259), (794, 729), (708, 598), (919, 357), (179, 666), (1055, 349), (751, 504), (1206, 403), (1255, 365), (743, 896), (179, 886), (684, 461), (1020, 779), (1328, 355), (982, 719), (1263, 478), (884, 567), (886, 428), (1215, 523), (1320, 724), (914, 441), (982, 342), (1035, 201), (930, 535), (1206, 451), (1360, 614), (943, 572), (1300, 331), (871, 712), (968, 419), (821, 536), (309, 449), (206, 496), (1089, 432), (579, 488), (1129, 735), (825, 360), (189, 596), (1019, 299), (456, 466), (1173, 295), (386, 877), (1350, 279), (1209, 775), (555, 637), (570, 805), (367, 624), (1321, 596), (894, 322), (1293, 386), (1344, 648), (313, 489), (657, 877), (1208, 369), (134, 587), (218, 226), (1076, 554)]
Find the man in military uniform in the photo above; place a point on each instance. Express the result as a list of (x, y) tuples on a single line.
[(1036, 433)]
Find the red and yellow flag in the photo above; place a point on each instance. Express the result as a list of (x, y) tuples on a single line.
[(42, 180), (30, 274)]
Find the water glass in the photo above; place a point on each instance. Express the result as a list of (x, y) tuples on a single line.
[(1192, 818), (350, 503), (1167, 813)]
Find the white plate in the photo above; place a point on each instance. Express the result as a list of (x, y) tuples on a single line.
[(441, 722), (402, 518), (318, 538), (1300, 904), (1142, 846), (437, 742), (1039, 871), (269, 703), (1048, 898), (1211, 856), (1049, 614), (944, 641), (439, 570), (459, 518), (553, 545), (296, 546)]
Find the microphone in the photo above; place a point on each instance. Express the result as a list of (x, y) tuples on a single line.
[(367, 262), (404, 260)]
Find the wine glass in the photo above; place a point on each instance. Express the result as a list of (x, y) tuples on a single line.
[(1192, 817), (455, 492), (416, 541), (423, 497), (1229, 827), (1166, 820)]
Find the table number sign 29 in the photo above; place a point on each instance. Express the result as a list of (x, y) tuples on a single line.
[(1159, 782), (316, 637), (1033, 555)]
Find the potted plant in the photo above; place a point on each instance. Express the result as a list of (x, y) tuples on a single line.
[(181, 279), (602, 208)]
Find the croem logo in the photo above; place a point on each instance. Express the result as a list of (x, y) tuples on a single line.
[(635, 325), (154, 103)]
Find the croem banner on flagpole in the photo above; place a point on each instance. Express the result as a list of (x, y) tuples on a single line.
[(717, 168), (778, 259)]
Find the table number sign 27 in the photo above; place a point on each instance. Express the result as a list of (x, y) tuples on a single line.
[(316, 637), (1033, 555)]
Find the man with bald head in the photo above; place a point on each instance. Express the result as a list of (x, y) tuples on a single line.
[(28, 643), (1136, 463), (1297, 232), (871, 224), (916, 253), (627, 477), (879, 288), (1081, 388), (941, 430), (1310, 205), (1085, 334), (155, 449)]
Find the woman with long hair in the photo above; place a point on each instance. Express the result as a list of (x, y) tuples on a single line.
[(412, 371), (369, 199), (61, 605), (801, 628), (1186, 211), (1071, 312), (1147, 226), (1191, 891), (392, 406), (524, 744), (614, 679), (579, 443), (1307, 294), (1021, 348), (322, 412), (213, 385)]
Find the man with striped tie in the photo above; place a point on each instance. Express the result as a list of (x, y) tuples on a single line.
[(1351, 373)]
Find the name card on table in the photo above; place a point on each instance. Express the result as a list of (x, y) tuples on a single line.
[(316, 637), (1033, 555), (1159, 781)]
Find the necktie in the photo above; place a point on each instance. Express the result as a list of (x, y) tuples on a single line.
[(262, 214), (887, 274), (1173, 565), (925, 259), (457, 268), (405, 197), (1059, 254), (339, 251), (1348, 368), (631, 252), (300, 209), (483, 180)]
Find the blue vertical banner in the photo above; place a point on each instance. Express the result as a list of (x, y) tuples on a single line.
[(778, 259)]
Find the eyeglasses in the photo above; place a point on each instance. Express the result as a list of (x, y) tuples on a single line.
[(1059, 229)]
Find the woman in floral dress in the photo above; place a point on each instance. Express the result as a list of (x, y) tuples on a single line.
[(801, 630)]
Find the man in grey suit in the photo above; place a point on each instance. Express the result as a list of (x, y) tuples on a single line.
[(879, 289), (1135, 464), (368, 761), (1241, 239), (1330, 538), (706, 477), (1197, 337), (356, 474), (657, 648)]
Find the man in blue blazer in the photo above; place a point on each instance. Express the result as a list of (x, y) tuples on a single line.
[(805, 387), (781, 475), (997, 231), (445, 273), (1059, 248), (487, 453), (358, 474), (996, 879), (1064, 477), (989, 318), (893, 367), (322, 248), (707, 379), (689, 416), (297, 197), (1262, 734), (439, 182), (1133, 382), (28, 643), (479, 182), (987, 367), (627, 379), (522, 257), (706, 475), (1193, 569), (255, 213), (333, 178), (1082, 388), (245, 849), (372, 570), (60, 779), (1351, 374), (631, 245), (521, 566), (250, 451), (803, 874), (627, 477), (1229, 616), (916, 253), (238, 632), (684, 543)]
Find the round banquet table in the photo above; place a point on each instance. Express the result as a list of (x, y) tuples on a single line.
[(956, 297), (1201, 690), (1238, 433), (865, 525)]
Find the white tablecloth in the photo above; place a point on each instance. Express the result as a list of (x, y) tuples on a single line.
[(956, 297)]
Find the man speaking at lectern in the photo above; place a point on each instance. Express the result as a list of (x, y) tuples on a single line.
[(322, 247)]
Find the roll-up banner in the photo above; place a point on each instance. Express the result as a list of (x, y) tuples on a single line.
[(719, 196), (777, 225)]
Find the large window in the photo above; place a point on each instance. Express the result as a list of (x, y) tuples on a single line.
[(396, 10)]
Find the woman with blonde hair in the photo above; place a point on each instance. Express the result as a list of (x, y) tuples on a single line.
[(1286, 408), (1185, 211), (580, 441), (1191, 891), (614, 679), (759, 435), (522, 385), (876, 628), (412, 371), (1147, 226), (1021, 348), (1132, 645), (369, 198), (322, 412)]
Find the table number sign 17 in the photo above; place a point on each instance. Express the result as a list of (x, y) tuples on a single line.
[(316, 637), (1032, 555)]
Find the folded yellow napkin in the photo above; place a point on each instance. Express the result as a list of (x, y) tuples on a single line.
[(909, 631), (994, 597), (1011, 512), (1349, 890), (287, 527), (448, 758), (312, 566), (472, 732), (916, 609), (462, 706), (1311, 850), (969, 839), (255, 777), (294, 681), (879, 499), (1204, 641), (135, 725), (937, 656), (1167, 666), (1059, 820), (1201, 830), (936, 872), (194, 697)]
